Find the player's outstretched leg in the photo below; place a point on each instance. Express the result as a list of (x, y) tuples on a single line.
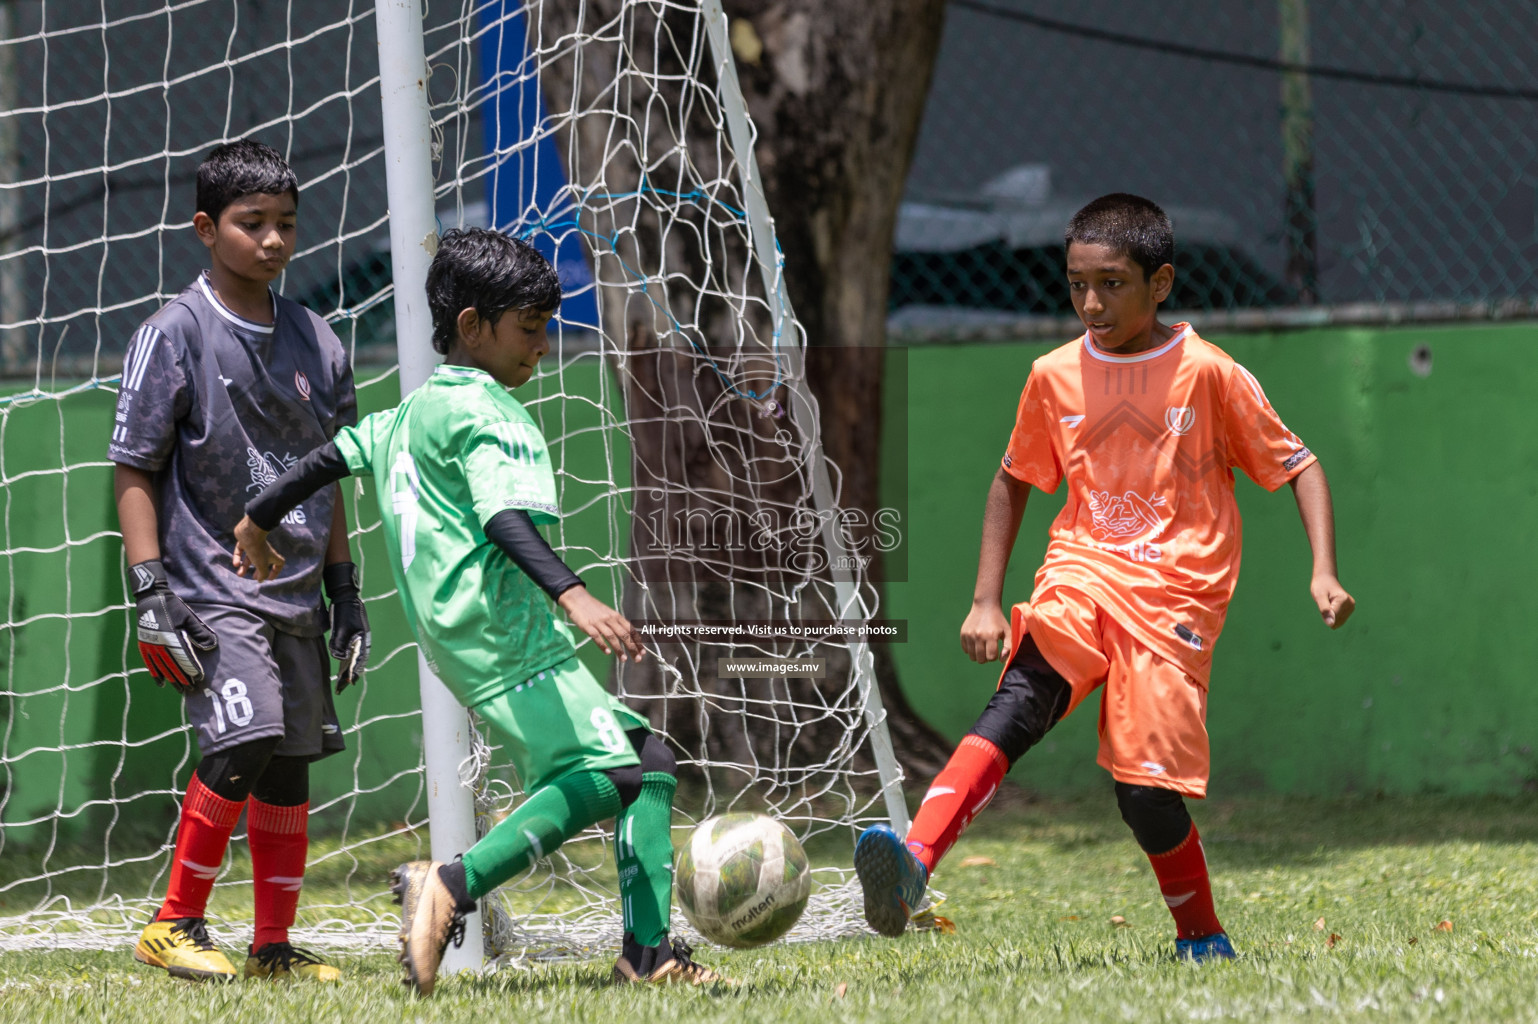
[(1031, 698), (435, 897), (277, 826), (431, 917), (643, 853), (894, 873), (891, 877), (1163, 828)]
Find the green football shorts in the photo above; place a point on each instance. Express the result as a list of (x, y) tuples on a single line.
[(560, 720)]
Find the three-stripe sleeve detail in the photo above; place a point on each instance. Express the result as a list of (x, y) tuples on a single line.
[(140, 349)]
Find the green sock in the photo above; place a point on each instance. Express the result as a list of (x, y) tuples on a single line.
[(551, 815), (643, 851)]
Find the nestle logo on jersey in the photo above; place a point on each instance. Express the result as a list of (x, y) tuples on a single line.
[(265, 468), (1128, 524), (1137, 551)]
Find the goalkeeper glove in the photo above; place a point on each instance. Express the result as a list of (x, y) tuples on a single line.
[(170, 635), (349, 622)]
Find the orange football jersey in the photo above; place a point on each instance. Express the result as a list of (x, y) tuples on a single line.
[(1150, 530)]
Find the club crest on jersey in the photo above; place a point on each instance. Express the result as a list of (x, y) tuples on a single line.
[(1180, 418), (302, 384)]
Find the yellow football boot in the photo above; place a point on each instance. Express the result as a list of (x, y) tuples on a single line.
[(183, 948), (278, 961)]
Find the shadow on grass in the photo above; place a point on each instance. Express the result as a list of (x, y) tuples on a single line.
[(588, 977), (1260, 830)]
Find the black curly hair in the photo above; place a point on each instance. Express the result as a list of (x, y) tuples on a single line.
[(490, 272), (242, 168), (1126, 224)]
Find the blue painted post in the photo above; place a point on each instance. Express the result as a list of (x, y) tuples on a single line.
[(527, 192)]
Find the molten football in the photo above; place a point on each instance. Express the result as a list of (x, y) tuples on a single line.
[(742, 879)]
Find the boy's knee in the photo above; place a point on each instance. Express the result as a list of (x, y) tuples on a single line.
[(1158, 817), (655, 757), (1031, 699), (285, 782), (231, 773), (627, 783)]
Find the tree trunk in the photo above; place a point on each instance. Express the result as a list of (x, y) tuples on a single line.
[(837, 94), (836, 89)]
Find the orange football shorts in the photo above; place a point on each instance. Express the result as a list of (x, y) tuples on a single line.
[(1153, 716)]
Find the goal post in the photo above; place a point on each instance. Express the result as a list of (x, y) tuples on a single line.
[(409, 182)]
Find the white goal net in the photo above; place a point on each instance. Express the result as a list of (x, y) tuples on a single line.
[(677, 416)]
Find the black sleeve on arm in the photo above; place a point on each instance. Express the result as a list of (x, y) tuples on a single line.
[(514, 532), (323, 466)]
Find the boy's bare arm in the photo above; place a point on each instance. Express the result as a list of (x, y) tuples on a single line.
[(610, 630), (1312, 491), (136, 512), (986, 629), (337, 548)]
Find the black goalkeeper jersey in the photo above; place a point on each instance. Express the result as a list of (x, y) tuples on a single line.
[(216, 407)]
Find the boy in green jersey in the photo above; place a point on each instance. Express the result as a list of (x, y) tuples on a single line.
[(467, 476)]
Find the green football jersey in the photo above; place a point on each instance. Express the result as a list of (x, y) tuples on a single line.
[(456, 452)]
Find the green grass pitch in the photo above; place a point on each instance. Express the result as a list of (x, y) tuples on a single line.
[(1335, 906)]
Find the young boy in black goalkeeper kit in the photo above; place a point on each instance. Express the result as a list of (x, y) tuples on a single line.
[(223, 388)]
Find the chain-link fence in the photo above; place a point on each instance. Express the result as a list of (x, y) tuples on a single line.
[(1373, 159), (105, 113)]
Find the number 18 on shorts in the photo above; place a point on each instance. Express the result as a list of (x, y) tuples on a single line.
[(263, 682)]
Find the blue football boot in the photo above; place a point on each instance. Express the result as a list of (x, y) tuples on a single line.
[(1201, 951), (893, 879)]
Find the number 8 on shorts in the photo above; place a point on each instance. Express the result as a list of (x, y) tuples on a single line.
[(609, 733)]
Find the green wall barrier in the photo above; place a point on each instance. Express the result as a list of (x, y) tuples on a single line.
[(1429, 688)]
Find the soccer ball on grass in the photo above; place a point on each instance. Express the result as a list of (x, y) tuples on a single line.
[(742, 880)]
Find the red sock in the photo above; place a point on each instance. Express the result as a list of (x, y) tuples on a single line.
[(1182, 874), (204, 833), (969, 780), (279, 841)]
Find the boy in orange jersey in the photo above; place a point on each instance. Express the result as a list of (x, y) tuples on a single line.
[(1145, 423)]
